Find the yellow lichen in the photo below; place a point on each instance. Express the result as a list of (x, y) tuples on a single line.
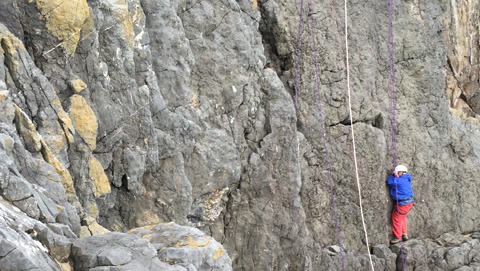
[(27, 130), (12, 60), (125, 21), (101, 184), (56, 134), (147, 236), (56, 140), (170, 261), (85, 232), (78, 85), (3, 95), (195, 100), (64, 19), (212, 206), (460, 114), (65, 266), (255, 4), (84, 120), (116, 226), (64, 174), (7, 144), (149, 227), (190, 242), (92, 228), (218, 253), (64, 119), (92, 209)]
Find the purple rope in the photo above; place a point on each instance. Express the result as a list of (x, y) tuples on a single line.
[(299, 55), (391, 47), (327, 163)]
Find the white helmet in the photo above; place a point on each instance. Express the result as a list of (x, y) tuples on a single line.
[(400, 168)]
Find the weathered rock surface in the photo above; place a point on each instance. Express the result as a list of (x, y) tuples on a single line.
[(123, 114), (186, 247), (163, 247), (117, 251), (18, 250)]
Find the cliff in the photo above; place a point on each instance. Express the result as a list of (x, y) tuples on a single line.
[(194, 135)]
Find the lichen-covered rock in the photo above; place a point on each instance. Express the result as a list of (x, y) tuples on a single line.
[(77, 85), (64, 19), (61, 170), (92, 228), (27, 130), (84, 120), (117, 250), (186, 246), (100, 180)]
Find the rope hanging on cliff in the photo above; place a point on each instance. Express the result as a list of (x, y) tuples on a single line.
[(391, 48), (324, 135), (320, 111), (353, 135), (297, 86)]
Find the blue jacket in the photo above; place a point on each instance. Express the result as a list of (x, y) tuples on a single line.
[(401, 188)]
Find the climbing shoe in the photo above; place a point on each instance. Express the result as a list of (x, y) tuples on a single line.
[(395, 241), (404, 237)]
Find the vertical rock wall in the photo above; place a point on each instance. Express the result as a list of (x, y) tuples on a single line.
[(134, 113)]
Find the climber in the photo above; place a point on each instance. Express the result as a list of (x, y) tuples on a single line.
[(400, 184)]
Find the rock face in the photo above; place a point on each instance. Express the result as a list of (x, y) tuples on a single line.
[(186, 247), (164, 247), (129, 114)]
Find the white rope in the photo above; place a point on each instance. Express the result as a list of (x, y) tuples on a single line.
[(353, 135)]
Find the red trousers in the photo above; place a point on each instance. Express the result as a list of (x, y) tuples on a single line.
[(399, 220)]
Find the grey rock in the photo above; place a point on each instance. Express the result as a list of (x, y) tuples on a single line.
[(134, 163), (100, 268), (333, 249), (383, 252), (463, 254), (48, 209), (19, 251), (185, 246), (198, 123), (58, 245), (17, 189), (214, 163), (114, 257), (6, 247), (6, 144), (61, 229), (468, 268), (117, 251), (17, 261), (29, 206), (428, 255), (9, 16), (449, 239)]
